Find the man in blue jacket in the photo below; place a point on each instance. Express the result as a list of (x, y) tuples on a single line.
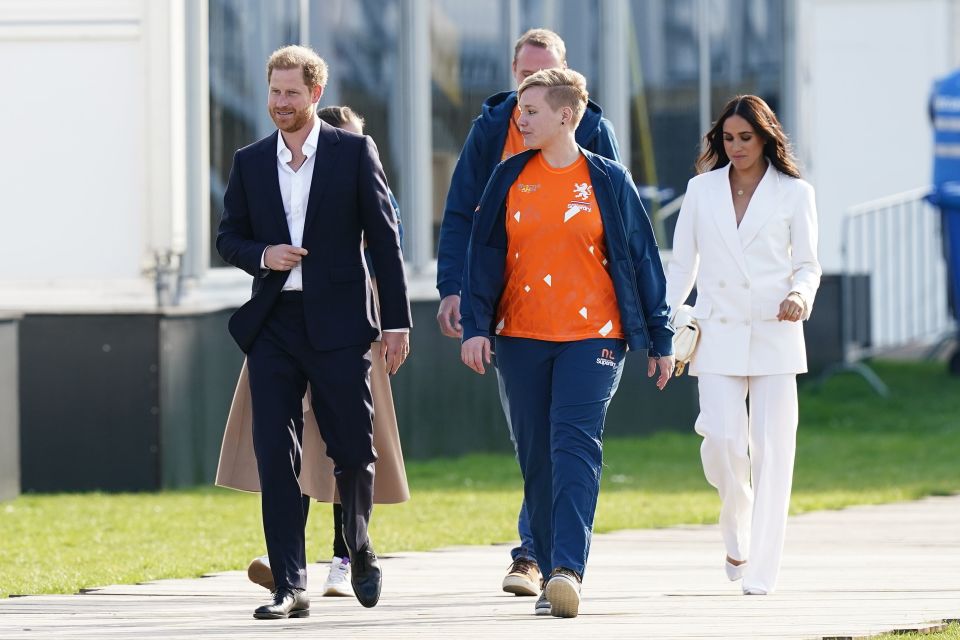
[(493, 138)]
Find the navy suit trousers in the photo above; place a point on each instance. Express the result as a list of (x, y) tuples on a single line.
[(282, 363)]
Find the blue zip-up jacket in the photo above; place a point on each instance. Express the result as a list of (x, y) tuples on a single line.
[(479, 157), (632, 253)]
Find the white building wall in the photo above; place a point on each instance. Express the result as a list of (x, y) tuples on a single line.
[(93, 133), (865, 68)]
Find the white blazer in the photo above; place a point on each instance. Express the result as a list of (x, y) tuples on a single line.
[(743, 274)]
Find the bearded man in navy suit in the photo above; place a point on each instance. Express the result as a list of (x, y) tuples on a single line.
[(298, 207)]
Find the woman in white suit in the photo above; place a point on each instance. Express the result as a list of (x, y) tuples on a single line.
[(747, 236)]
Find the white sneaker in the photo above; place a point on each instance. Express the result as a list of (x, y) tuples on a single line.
[(259, 572), (338, 580), (563, 593)]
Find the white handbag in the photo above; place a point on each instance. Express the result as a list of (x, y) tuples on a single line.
[(687, 333)]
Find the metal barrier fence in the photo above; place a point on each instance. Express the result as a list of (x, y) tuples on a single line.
[(896, 242)]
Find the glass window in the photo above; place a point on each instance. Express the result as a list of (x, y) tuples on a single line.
[(243, 34), (471, 56), (472, 51), (664, 71), (358, 40), (746, 50), (578, 23), (746, 41)]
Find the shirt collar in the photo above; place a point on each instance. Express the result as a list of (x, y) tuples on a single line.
[(309, 145)]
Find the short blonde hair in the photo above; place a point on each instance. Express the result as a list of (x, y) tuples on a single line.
[(565, 88), (293, 56), (545, 39)]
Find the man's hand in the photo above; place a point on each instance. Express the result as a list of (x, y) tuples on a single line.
[(394, 348), (283, 257), (449, 317), (474, 352), (666, 364)]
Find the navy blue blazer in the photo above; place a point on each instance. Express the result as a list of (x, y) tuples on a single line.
[(348, 202), (635, 268)]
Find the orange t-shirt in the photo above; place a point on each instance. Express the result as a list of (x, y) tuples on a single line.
[(557, 284), (514, 142)]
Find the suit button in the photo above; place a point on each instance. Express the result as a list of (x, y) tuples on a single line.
[(746, 285), (723, 321), (721, 284)]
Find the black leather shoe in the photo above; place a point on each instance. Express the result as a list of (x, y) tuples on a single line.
[(287, 603), (365, 576)]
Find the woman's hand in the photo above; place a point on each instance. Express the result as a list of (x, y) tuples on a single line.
[(666, 364), (474, 352), (791, 309)]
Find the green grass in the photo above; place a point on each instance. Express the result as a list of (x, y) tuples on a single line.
[(952, 633), (853, 448)]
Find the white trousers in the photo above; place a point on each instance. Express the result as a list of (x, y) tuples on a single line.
[(749, 457)]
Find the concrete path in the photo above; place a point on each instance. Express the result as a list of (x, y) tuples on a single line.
[(846, 574)]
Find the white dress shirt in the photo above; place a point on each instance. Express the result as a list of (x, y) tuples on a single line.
[(295, 193)]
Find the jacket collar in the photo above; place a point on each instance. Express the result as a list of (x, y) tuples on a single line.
[(325, 139), (328, 139), (309, 145), (762, 206)]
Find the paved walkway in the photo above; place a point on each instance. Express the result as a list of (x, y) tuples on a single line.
[(846, 574)]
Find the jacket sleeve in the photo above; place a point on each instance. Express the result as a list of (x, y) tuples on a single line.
[(383, 240), (462, 199), (483, 269), (467, 318), (651, 282), (606, 141), (685, 255), (235, 241), (803, 240)]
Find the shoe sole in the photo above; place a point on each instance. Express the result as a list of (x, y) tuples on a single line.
[(260, 574), (520, 586), (337, 592), (368, 604), (564, 598), (300, 613)]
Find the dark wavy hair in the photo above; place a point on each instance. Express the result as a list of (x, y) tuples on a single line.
[(776, 146)]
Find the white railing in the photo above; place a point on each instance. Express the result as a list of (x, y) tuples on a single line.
[(896, 243)]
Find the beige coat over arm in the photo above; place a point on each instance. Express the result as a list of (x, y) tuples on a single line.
[(238, 463)]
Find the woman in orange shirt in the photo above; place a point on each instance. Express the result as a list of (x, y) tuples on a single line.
[(563, 269)]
